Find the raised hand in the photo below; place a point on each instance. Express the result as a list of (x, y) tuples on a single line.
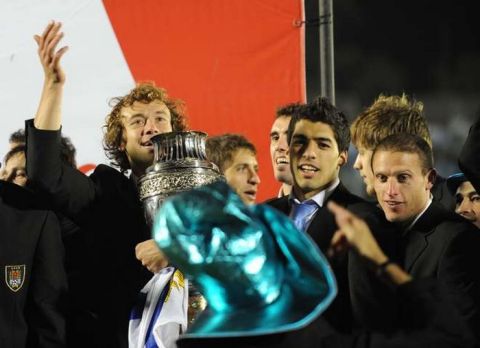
[(49, 113), (354, 232), (49, 55)]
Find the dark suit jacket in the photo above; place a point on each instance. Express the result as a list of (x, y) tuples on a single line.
[(362, 299), (445, 246), (107, 209), (469, 159), (429, 322), (31, 312)]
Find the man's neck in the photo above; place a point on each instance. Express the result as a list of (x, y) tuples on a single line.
[(301, 196), (285, 190), (408, 224)]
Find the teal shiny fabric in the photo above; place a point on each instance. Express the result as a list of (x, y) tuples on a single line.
[(258, 273)]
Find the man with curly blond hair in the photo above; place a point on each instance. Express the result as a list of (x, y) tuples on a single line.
[(105, 205), (390, 115)]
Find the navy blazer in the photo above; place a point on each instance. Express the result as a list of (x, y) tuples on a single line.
[(33, 285), (445, 246)]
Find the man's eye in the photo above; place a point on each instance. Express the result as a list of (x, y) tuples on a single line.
[(381, 178), (137, 122), (324, 145), (475, 198), (402, 178), (274, 137)]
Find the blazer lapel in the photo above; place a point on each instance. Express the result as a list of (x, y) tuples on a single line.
[(323, 225), (416, 239)]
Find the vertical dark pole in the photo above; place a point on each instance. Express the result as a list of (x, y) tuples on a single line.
[(327, 69), (312, 49)]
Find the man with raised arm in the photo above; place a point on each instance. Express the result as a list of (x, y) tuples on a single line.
[(105, 205)]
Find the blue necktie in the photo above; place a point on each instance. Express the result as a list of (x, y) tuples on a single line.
[(301, 213)]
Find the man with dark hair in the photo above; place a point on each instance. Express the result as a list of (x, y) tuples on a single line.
[(319, 137), (435, 242), (14, 170), (468, 161), (17, 138), (467, 199), (105, 205), (386, 116), (236, 158), (33, 285), (279, 148)]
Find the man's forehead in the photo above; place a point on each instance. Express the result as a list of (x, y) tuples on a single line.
[(281, 123), (140, 107), (310, 129), (400, 161), (465, 188), (243, 155)]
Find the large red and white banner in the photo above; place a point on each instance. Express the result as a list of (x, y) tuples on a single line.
[(233, 62)]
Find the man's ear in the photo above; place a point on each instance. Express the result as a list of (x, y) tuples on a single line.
[(342, 158), (431, 176)]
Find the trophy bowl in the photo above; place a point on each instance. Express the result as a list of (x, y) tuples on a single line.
[(180, 164)]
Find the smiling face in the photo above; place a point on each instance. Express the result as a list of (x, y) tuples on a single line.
[(314, 158), (142, 121), (468, 203), (241, 174), (401, 184), (363, 166), (279, 150)]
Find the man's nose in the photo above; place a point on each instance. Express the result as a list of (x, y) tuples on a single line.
[(253, 177), (358, 163), (309, 151), (282, 145), (464, 207), (392, 187), (150, 126)]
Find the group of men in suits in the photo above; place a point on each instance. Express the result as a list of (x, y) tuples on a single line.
[(408, 236)]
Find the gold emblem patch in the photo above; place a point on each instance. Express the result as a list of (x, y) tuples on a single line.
[(15, 276)]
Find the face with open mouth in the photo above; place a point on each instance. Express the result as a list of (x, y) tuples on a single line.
[(314, 157), (279, 150), (241, 174), (401, 184), (141, 122)]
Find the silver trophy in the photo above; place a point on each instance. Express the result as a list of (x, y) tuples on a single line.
[(180, 164)]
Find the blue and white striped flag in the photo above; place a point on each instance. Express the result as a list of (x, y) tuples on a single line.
[(160, 315)]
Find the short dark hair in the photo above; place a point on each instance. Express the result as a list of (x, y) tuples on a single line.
[(321, 110), (14, 151), (287, 110), (409, 143), (68, 152), (221, 148), (17, 137)]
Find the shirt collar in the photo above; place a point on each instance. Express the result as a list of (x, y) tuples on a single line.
[(419, 215), (320, 197)]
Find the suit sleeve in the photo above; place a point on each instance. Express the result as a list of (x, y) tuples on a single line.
[(70, 191), (459, 270), (47, 293), (469, 159), (428, 321)]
